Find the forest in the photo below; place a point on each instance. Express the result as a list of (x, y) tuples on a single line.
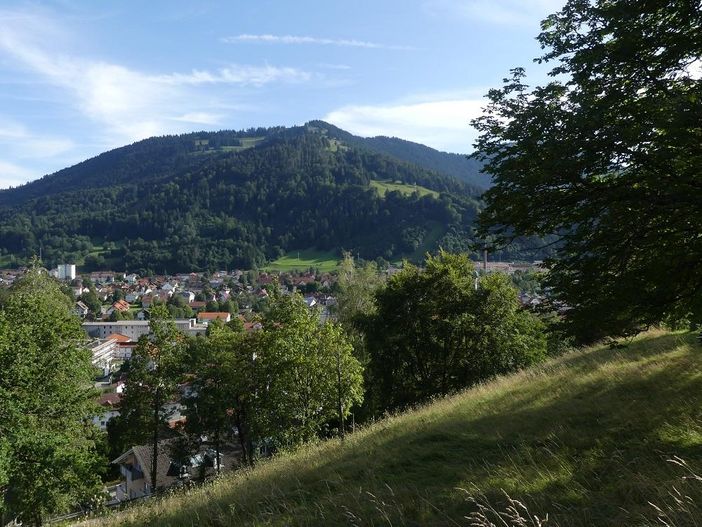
[(235, 199)]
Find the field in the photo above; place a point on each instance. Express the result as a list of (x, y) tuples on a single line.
[(388, 186), (246, 143), (585, 439), (302, 260)]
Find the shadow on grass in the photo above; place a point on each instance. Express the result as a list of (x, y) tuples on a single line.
[(586, 442)]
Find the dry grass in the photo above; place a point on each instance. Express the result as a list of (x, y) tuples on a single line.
[(582, 440)]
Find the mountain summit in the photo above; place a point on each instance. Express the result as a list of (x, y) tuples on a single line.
[(222, 199)]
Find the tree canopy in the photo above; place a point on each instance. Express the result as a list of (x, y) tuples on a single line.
[(48, 452), (607, 155), (433, 332)]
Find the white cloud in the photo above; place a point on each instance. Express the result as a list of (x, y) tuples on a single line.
[(237, 74), (501, 12), (442, 124), (296, 40), (128, 104), (18, 141), (12, 175), (205, 118)]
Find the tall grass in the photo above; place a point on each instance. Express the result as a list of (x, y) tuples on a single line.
[(581, 440)]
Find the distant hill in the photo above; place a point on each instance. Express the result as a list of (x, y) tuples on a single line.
[(226, 199), (455, 165), (584, 440)]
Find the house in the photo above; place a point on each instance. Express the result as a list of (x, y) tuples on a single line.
[(146, 301), (121, 306), (136, 328), (131, 278), (197, 305), (135, 468), (131, 297), (170, 288), (189, 296), (310, 301), (81, 309), (209, 316), (109, 402)]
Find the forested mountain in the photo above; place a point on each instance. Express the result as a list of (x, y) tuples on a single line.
[(456, 165), (223, 199)]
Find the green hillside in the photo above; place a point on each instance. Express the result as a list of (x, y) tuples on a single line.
[(584, 438), (215, 200)]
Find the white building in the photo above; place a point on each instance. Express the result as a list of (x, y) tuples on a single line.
[(66, 272), (136, 328)]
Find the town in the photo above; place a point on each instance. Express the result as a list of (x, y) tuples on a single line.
[(114, 308)]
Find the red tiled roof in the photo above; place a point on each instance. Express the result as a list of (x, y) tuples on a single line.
[(121, 305), (110, 399), (214, 315), (118, 337)]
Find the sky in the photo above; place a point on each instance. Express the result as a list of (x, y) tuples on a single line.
[(78, 78)]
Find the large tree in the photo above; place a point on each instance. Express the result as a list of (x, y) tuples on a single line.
[(48, 452), (608, 155), (440, 329), (152, 382), (306, 373)]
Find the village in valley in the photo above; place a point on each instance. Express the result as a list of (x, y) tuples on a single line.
[(114, 309)]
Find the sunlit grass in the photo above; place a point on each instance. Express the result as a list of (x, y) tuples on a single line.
[(403, 188), (303, 260), (584, 438)]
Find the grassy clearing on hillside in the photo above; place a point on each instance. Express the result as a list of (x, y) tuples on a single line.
[(246, 143), (302, 260), (388, 186), (584, 438)]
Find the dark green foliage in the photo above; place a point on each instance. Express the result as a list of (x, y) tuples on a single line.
[(433, 333), (154, 373), (608, 156), (162, 204), (459, 166), (48, 452)]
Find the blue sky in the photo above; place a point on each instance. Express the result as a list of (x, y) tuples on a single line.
[(80, 77)]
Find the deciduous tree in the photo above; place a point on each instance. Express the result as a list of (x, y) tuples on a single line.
[(434, 332), (48, 455), (607, 155)]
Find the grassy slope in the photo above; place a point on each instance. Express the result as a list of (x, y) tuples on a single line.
[(403, 188), (584, 437), (303, 260)]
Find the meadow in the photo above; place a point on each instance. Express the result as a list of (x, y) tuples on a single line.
[(303, 260), (594, 437), (384, 187)]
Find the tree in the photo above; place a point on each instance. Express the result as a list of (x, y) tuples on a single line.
[(307, 373), (434, 333), (152, 381), (91, 300), (607, 155), (218, 365), (356, 291), (48, 446)]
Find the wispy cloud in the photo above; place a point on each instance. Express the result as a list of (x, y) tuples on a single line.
[(128, 104), (237, 74), (209, 119), (12, 175), (440, 123), (499, 12), (297, 39), (17, 140)]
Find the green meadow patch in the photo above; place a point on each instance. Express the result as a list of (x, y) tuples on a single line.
[(302, 260), (406, 189)]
